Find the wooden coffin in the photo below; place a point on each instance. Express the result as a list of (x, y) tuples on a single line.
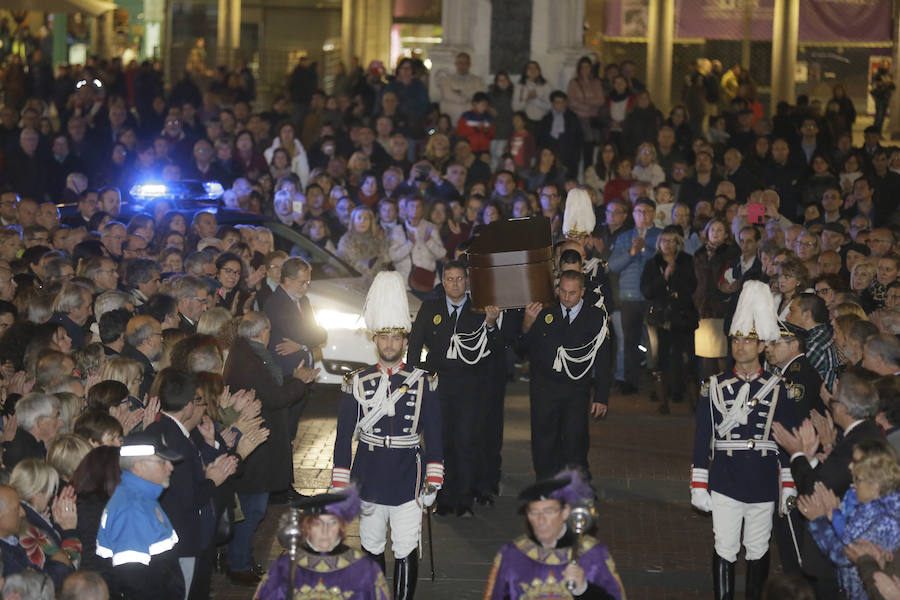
[(511, 264)]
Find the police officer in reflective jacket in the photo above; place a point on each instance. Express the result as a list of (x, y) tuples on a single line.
[(393, 410), (568, 347), (458, 342)]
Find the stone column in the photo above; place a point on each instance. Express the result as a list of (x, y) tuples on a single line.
[(228, 32), (466, 26), (785, 29), (660, 26), (366, 31), (557, 38), (893, 123)]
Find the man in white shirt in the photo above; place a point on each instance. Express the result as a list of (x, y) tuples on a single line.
[(456, 91)]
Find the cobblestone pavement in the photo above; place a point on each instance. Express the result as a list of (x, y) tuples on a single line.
[(639, 461)]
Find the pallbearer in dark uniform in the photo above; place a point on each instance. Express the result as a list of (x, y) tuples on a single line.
[(550, 561), (738, 473), (394, 412), (569, 353), (325, 567), (458, 342), (785, 357)]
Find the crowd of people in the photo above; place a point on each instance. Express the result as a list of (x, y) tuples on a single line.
[(209, 340)]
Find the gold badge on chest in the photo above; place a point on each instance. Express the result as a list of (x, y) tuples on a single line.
[(548, 319), (436, 320)]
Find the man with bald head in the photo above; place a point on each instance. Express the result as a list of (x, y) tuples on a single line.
[(23, 168), (880, 242), (15, 560), (143, 343), (84, 585)]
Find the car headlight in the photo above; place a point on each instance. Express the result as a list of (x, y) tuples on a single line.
[(334, 319)]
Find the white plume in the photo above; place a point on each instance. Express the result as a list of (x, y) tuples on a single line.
[(579, 215), (755, 312), (387, 306)]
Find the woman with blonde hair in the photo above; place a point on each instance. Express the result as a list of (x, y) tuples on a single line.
[(65, 454), (861, 278), (70, 407), (869, 511), (219, 323), (437, 151), (364, 245), (48, 529), (358, 164), (850, 308), (124, 370)]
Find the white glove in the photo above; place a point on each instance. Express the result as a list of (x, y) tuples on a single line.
[(701, 500), (787, 492), (427, 498)]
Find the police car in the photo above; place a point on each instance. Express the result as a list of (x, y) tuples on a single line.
[(337, 293)]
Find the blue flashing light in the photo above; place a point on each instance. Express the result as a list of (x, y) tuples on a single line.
[(214, 190), (148, 191)]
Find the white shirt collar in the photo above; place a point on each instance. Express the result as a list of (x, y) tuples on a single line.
[(179, 423)]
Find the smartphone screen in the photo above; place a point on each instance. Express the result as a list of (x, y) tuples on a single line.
[(756, 213)]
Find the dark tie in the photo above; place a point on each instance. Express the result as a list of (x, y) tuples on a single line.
[(454, 315), (568, 317)]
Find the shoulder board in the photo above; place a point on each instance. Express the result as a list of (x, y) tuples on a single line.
[(795, 367), (432, 381), (347, 384)]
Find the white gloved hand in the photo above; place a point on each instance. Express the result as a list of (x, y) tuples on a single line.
[(701, 500), (787, 492), (428, 496)]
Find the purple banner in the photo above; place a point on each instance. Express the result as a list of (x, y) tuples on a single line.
[(820, 20), (845, 20), (723, 19)]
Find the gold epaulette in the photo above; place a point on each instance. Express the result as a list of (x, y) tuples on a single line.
[(347, 384)]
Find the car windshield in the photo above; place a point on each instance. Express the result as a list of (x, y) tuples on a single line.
[(325, 265)]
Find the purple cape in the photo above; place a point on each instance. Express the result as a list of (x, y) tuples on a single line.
[(524, 569), (325, 576)]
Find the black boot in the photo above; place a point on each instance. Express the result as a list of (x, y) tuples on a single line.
[(406, 573), (757, 573), (378, 558), (723, 578)]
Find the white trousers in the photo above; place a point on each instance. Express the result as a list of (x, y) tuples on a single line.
[(729, 515), (406, 527)]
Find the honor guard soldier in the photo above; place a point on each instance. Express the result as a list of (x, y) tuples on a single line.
[(736, 463), (325, 567), (458, 342), (566, 343), (785, 357), (393, 410), (579, 221), (551, 561)]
